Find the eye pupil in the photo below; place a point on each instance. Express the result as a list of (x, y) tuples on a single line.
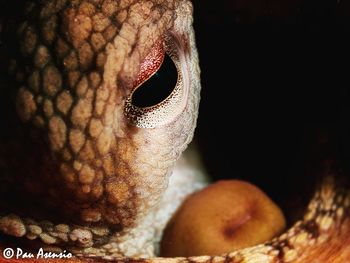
[(158, 87)]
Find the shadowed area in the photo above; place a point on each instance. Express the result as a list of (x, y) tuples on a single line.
[(271, 81), (285, 87)]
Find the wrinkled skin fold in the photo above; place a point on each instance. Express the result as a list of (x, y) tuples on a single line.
[(83, 168)]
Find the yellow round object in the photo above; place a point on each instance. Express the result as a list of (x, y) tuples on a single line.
[(223, 217)]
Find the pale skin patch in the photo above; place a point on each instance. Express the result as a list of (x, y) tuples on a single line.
[(48, 108), (26, 106), (87, 153), (52, 81), (49, 30), (95, 80), (117, 192), (77, 140), (71, 61), (57, 133), (42, 57), (86, 175), (95, 128), (34, 81), (90, 215), (64, 102), (79, 27), (81, 113), (82, 87)]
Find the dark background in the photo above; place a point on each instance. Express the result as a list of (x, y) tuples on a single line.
[(275, 79)]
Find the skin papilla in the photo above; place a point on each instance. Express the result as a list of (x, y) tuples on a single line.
[(223, 217), (83, 169)]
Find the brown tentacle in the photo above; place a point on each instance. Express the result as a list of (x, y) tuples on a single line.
[(321, 236)]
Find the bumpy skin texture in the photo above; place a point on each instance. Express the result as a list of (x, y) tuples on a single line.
[(84, 57), (82, 150), (95, 166)]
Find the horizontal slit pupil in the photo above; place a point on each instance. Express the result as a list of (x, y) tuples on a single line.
[(158, 87)]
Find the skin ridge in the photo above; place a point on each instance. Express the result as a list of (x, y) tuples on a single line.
[(115, 49)]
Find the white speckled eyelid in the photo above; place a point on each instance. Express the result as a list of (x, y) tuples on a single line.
[(167, 110)]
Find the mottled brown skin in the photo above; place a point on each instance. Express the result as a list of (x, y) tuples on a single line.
[(84, 56), (90, 166), (100, 164)]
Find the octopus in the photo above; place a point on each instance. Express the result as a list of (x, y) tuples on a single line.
[(91, 150)]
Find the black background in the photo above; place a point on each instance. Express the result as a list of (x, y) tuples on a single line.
[(275, 77)]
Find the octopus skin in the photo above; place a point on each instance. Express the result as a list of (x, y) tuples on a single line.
[(89, 171)]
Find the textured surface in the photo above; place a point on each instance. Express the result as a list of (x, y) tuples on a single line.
[(71, 94), (92, 168)]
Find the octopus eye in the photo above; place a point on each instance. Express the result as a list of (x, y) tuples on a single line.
[(160, 92), (158, 87)]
